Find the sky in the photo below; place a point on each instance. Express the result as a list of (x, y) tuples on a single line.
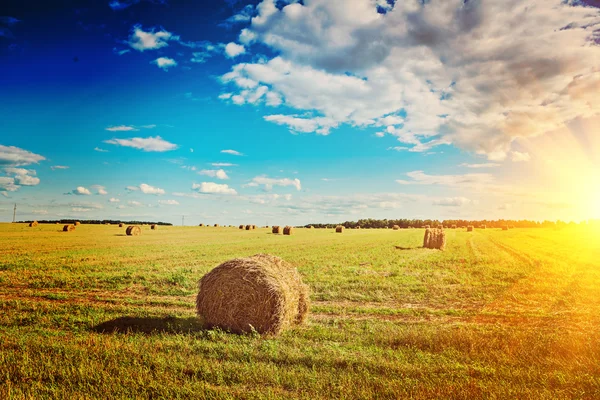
[(295, 112)]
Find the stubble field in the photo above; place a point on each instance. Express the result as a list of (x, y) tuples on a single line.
[(498, 314)]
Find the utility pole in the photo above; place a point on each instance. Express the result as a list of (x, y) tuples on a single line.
[(182, 220), (15, 214)]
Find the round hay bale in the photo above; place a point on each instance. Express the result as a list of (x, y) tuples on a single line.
[(133, 230), (288, 230), (261, 293), (121, 225), (216, 225), (241, 226), (339, 229), (77, 223), (153, 227), (33, 224), (68, 228), (311, 227), (248, 227), (470, 228), (482, 226), (253, 227), (276, 229), (396, 227), (358, 227), (453, 226), (505, 228), (435, 238), (200, 224)]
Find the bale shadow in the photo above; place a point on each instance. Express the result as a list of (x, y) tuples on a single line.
[(150, 325), (120, 234), (407, 248)]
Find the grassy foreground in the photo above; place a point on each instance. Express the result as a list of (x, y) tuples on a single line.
[(499, 314)]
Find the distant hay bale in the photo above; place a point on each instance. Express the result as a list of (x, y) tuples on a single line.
[(253, 227), (133, 230), (453, 226), (410, 227), (33, 224), (470, 228), (311, 227), (276, 229), (434, 238), (262, 293), (200, 224), (288, 230), (505, 228), (248, 227), (440, 226), (77, 223), (482, 227), (120, 225), (241, 226), (358, 227), (396, 227), (339, 229), (427, 227), (153, 227), (216, 225), (68, 228)]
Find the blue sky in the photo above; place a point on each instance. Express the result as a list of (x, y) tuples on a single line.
[(287, 112)]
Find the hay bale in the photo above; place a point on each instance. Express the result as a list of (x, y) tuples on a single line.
[(482, 227), (216, 225), (261, 293), (200, 224), (241, 226), (276, 230), (153, 227), (505, 228), (358, 227), (396, 227), (121, 225), (288, 230), (311, 227), (434, 238), (133, 230), (248, 227), (77, 223), (427, 227), (253, 227), (470, 228), (33, 224), (68, 228), (453, 226), (339, 229)]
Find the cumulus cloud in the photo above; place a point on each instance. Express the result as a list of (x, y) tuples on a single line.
[(141, 40), (168, 202), (26, 180), (16, 157), (99, 189), (147, 189), (232, 152), (213, 188), (156, 143), (81, 191), (233, 50), (475, 74), (114, 200), (214, 173), (164, 63), (268, 183)]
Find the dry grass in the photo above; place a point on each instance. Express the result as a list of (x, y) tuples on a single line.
[(261, 293)]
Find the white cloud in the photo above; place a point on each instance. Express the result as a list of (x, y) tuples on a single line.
[(517, 156), (141, 40), (121, 128), (7, 184), (484, 165), (245, 15), (55, 167), (169, 202), (233, 50), (81, 191), (11, 156), (232, 152), (134, 203), (26, 180), (114, 200), (452, 202), (220, 164), (420, 178), (98, 149), (99, 189), (132, 188), (39, 212), (475, 74), (164, 63), (268, 183), (214, 188), (146, 144), (214, 173), (147, 189)]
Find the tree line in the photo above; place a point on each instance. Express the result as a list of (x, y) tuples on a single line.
[(405, 223), (97, 222)]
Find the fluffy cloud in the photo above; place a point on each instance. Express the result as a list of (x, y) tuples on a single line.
[(421, 178), (134, 203), (26, 180), (81, 191), (452, 202), (147, 189), (121, 128), (214, 173), (146, 144), (164, 63), (169, 202), (7, 184), (233, 50), (11, 156), (114, 200), (99, 189), (232, 152), (268, 183), (141, 40), (213, 188), (475, 74)]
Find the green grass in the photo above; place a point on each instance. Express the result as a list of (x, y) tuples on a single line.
[(95, 314)]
